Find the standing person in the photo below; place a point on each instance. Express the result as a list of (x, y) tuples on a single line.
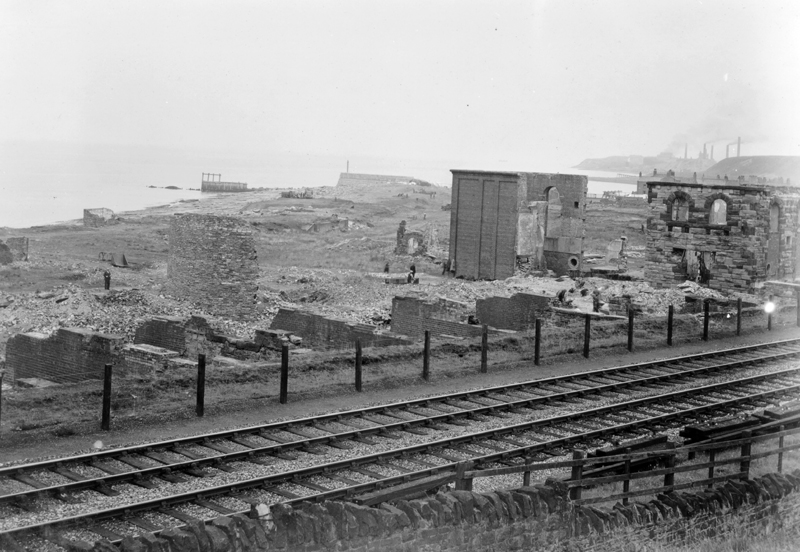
[(107, 278), (386, 268), (413, 270), (596, 300)]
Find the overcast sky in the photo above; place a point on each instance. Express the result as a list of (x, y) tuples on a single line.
[(489, 83)]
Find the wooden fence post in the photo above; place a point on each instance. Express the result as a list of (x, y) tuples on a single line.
[(630, 330), (284, 374), (587, 330), (706, 306), (739, 316), (201, 386), (744, 465), (105, 424), (577, 473), (358, 364), (798, 308), (462, 483), (712, 457), (484, 349), (780, 445), (626, 485), (537, 339), (426, 357), (769, 316), (669, 478), (670, 314)]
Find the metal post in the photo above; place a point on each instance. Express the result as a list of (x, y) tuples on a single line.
[(106, 423), (630, 330), (780, 446), (426, 357), (201, 385), (744, 465), (484, 349), (586, 332), (358, 364), (670, 314), (705, 319), (284, 373), (798, 308), (537, 340), (577, 474), (739, 316)]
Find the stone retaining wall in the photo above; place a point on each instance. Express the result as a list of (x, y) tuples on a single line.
[(518, 312), (319, 331), (539, 517)]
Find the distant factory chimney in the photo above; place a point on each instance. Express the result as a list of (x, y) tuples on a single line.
[(705, 152), (738, 146)]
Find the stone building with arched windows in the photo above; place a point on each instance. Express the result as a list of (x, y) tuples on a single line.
[(732, 235)]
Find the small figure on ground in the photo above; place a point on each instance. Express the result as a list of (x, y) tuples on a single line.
[(107, 278), (596, 300), (386, 268), (413, 270)]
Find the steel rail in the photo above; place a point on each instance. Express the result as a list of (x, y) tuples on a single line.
[(322, 469)]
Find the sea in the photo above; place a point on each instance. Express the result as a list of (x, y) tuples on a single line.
[(52, 183)]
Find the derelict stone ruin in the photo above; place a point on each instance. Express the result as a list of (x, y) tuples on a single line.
[(95, 218), (730, 235), (213, 262), (500, 218)]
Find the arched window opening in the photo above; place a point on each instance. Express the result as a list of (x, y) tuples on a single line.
[(719, 212), (680, 210), (774, 217), (553, 223)]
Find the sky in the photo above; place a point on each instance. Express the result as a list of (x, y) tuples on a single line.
[(461, 83)]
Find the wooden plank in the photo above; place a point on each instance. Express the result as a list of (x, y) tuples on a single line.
[(310, 485), (216, 447), (69, 474), (177, 514), (144, 524), (30, 481), (341, 478), (187, 453), (281, 492), (214, 506), (368, 472), (134, 462), (104, 533), (405, 489)]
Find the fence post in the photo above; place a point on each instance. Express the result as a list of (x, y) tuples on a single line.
[(2, 373), (739, 316), (201, 385), (744, 465), (626, 485), (780, 445), (712, 457), (630, 330), (526, 475), (769, 317), (463, 484), (577, 474), (537, 339), (484, 349), (798, 307), (669, 478), (705, 319), (426, 357), (358, 364), (670, 314), (586, 333), (284, 373), (106, 422)]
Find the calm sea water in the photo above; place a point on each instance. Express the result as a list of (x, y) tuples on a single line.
[(49, 183)]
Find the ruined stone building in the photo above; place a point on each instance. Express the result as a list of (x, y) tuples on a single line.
[(498, 219), (212, 182), (732, 235), (213, 262)]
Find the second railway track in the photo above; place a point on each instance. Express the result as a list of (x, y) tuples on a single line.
[(118, 492)]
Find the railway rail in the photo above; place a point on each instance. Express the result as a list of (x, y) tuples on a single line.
[(109, 494)]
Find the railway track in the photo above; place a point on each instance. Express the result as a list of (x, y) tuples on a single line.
[(114, 493)]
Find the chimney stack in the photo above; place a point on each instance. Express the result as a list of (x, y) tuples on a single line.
[(738, 146)]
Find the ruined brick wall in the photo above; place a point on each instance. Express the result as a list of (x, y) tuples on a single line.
[(95, 218), (167, 332), (412, 317), (518, 312), (483, 224), (212, 262), (538, 517), (728, 257), (563, 246), (321, 332), (69, 355)]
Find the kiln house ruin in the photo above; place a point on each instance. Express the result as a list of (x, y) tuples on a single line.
[(732, 235)]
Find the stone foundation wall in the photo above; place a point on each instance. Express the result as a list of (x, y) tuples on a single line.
[(69, 355), (518, 312), (537, 518), (412, 317), (318, 331), (212, 262)]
